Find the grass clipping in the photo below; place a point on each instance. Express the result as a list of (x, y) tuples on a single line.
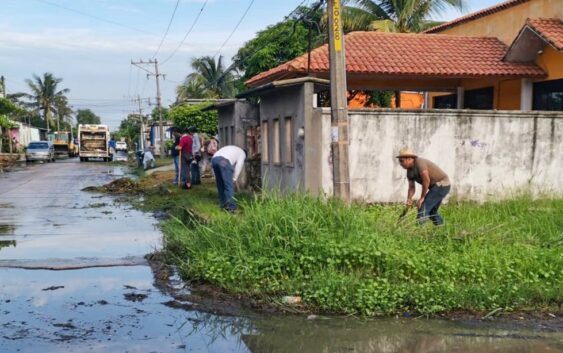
[(359, 260), (119, 186)]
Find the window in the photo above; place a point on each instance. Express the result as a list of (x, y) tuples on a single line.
[(264, 140), (548, 95), (288, 141), (276, 142), (232, 136), (445, 102), (481, 98)]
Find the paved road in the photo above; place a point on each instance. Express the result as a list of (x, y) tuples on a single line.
[(52, 222), (72, 273)]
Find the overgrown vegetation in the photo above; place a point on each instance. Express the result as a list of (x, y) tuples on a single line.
[(358, 260)]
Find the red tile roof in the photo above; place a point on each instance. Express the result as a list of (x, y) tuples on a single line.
[(475, 15), (550, 29), (409, 54)]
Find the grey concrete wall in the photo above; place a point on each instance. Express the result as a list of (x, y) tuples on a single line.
[(234, 119), (295, 102), (487, 154)]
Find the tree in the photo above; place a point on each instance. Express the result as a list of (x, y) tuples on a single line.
[(130, 129), (209, 80), (281, 42), (86, 116), (44, 95), (64, 113), (395, 15), (185, 116)]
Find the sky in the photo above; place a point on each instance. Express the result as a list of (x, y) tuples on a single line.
[(90, 44)]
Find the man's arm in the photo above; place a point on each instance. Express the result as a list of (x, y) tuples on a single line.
[(410, 194), (425, 185), (238, 166)]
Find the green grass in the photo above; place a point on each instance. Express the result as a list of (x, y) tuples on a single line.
[(358, 260)]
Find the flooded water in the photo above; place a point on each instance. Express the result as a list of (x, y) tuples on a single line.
[(73, 279)]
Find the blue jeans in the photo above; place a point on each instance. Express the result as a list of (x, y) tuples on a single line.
[(431, 203), (224, 178), (176, 168)]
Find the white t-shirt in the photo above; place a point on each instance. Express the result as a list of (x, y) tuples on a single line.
[(235, 155)]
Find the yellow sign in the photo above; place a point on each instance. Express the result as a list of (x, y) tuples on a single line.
[(337, 21)]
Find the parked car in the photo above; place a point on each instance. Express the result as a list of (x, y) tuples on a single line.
[(40, 151), (121, 146)]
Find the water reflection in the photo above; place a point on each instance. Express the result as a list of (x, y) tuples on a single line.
[(7, 229), (390, 336), (6, 243)]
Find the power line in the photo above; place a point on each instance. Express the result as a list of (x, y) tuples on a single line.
[(94, 17), (167, 29), (236, 27), (236, 62), (187, 33)]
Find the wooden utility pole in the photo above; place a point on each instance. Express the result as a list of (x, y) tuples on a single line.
[(157, 75), (338, 102), (142, 132)]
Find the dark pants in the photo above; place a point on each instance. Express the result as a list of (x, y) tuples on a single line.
[(224, 178), (185, 170), (194, 170), (431, 203)]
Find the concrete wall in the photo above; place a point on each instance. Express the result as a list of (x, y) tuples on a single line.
[(234, 119), (295, 102), (485, 153)]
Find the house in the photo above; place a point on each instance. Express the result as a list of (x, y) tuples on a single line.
[(501, 137)]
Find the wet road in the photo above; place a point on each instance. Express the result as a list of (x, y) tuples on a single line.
[(73, 279)]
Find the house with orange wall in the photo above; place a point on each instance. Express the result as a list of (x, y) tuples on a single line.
[(533, 32), (461, 64)]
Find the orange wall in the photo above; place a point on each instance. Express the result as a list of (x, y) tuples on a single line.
[(551, 61), (409, 100), (506, 24)]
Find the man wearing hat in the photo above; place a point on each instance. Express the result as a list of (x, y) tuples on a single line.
[(435, 185)]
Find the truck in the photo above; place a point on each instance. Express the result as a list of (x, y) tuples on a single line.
[(93, 142), (63, 143)]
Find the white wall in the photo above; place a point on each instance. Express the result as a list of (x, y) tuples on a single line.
[(487, 154)]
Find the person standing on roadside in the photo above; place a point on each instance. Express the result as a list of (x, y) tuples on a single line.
[(176, 153), (196, 149), (185, 148), (435, 185), (227, 163)]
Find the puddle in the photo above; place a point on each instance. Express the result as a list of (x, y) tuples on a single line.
[(118, 309)]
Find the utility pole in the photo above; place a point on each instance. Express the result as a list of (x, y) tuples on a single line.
[(139, 102), (141, 64), (338, 102)]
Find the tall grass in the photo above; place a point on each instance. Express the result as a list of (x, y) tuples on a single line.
[(358, 259)]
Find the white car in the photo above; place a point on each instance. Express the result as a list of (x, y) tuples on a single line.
[(121, 146)]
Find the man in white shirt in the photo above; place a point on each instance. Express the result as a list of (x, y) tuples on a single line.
[(227, 163)]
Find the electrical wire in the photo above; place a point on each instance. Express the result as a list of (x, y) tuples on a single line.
[(187, 34), (234, 30), (94, 17), (167, 29)]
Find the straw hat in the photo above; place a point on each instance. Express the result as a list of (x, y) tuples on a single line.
[(406, 153)]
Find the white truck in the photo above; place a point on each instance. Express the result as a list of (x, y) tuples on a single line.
[(93, 140)]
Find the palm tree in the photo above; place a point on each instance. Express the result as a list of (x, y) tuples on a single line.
[(209, 80), (395, 15), (64, 113), (44, 94)]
